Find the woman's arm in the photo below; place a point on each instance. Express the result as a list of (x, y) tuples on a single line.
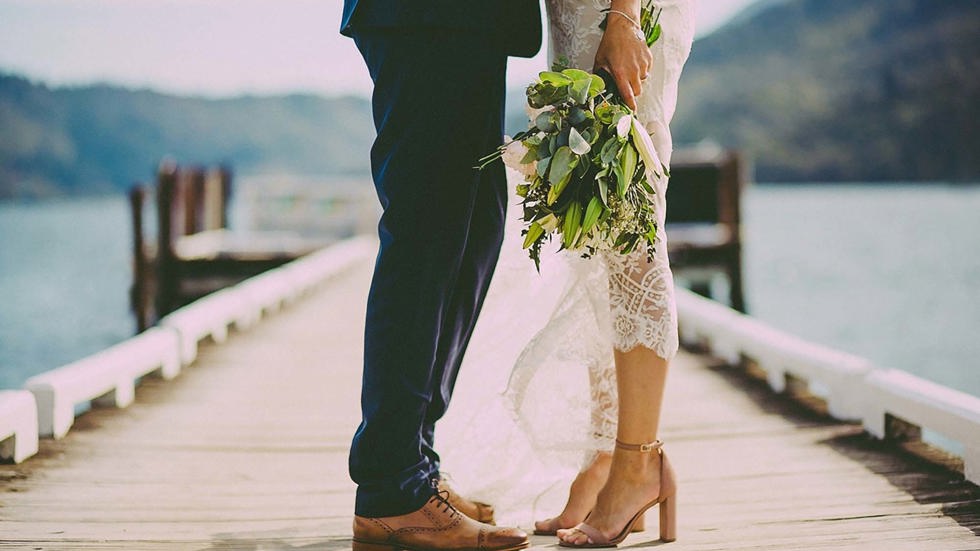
[(622, 52)]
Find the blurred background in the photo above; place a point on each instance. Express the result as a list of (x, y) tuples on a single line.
[(857, 119)]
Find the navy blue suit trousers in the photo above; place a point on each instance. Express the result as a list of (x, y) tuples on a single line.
[(438, 106)]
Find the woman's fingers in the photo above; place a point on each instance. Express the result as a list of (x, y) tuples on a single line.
[(627, 89), (626, 58)]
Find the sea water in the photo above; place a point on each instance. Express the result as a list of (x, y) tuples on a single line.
[(888, 272)]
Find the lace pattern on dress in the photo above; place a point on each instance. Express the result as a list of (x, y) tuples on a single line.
[(559, 404), (640, 292)]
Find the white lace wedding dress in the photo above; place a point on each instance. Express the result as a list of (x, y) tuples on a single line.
[(536, 395)]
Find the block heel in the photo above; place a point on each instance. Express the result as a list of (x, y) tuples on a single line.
[(668, 519), (666, 500)]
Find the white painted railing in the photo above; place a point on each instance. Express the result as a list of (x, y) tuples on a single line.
[(208, 317), (243, 304), (925, 404), (47, 407), (853, 388), (108, 377), (18, 425)]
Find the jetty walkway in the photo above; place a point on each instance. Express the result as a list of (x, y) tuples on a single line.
[(247, 449)]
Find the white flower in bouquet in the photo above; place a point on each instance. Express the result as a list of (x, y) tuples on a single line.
[(644, 146), (588, 164), (513, 153)]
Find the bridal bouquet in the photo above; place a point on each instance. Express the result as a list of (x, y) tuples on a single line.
[(587, 163)]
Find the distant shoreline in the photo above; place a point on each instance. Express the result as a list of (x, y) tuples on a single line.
[(68, 197)]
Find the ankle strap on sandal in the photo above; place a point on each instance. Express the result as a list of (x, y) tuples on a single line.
[(649, 447)]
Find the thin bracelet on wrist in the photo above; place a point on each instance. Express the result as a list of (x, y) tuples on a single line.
[(637, 28), (628, 18)]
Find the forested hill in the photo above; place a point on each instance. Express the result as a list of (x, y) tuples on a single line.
[(824, 90), (99, 139), (812, 90)]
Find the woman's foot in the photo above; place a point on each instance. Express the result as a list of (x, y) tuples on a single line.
[(634, 482), (581, 496)]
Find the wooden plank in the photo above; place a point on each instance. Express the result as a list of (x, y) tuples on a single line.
[(248, 450)]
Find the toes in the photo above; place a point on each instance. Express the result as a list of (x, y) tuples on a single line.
[(573, 536)]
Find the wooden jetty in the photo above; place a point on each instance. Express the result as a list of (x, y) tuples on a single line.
[(242, 441), (704, 221), (194, 252)]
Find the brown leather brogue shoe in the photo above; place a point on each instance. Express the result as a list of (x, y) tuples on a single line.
[(476, 510), (437, 526)]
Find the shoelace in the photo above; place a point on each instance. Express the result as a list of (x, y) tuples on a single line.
[(443, 499)]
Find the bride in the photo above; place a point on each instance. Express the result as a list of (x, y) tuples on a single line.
[(585, 391)]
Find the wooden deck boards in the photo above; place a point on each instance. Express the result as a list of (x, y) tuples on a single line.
[(247, 449)]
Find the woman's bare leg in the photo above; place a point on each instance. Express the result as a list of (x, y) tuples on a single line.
[(634, 478)]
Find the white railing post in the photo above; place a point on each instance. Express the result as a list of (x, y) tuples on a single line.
[(18, 425)]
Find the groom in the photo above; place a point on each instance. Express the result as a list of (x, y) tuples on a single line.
[(438, 70)]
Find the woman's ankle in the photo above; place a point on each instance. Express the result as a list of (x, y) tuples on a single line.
[(636, 466)]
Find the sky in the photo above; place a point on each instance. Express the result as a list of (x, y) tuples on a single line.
[(209, 47)]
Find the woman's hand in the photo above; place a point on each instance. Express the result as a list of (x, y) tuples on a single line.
[(623, 53)]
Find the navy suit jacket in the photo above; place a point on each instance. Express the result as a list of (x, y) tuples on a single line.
[(513, 24)]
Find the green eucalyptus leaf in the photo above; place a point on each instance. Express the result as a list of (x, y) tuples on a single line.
[(578, 91), (646, 185), (621, 240), (562, 164), (557, 188), (545, 122), (556, 79), (562, 137), (576, 74), (610, 150), (577, 115), (582, 166), (651, 234), (654, 34), (592, 213), (578, 144), (604, 112), (534, 232), (621, 180), (606, 213), (629, 159), (630, 244), (530, 156), (596, 86), (603, 184), (542, 167), (544, 148), (571, 224)]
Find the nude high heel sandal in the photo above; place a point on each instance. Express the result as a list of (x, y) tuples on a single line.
[(551, 526), (667, 501)]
